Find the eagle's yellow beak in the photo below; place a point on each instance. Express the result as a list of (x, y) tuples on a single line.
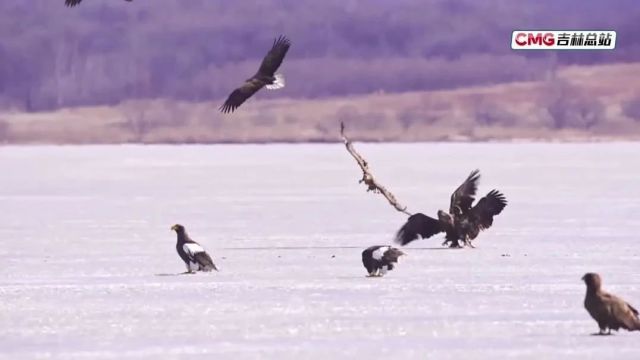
[(173, 228)]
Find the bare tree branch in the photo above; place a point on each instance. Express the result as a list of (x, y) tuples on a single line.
[(367, 177)]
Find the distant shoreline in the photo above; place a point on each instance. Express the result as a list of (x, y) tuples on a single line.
[(585, 104), (589, 140)]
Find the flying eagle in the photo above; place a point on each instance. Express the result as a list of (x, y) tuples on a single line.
[(266, 76), (379, 259), (72, 3), (608, 310), (193, 255), (462, 222)]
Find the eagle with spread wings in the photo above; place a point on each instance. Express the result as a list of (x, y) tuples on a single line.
[(463, 222), (265, 77)]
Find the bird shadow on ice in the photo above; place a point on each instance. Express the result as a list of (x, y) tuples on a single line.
[(327, 248), (436, 248), (174, 274), (358, 277), (291, 248)]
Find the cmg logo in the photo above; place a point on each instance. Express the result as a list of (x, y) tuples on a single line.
[(528, 39), (563, 40)]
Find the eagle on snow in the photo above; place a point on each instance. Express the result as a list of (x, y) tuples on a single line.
[(379, 259), (608, 310), (193, 255)]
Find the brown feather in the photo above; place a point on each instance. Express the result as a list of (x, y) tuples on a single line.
[(488, 207), (463, 197), (418, 226), (274, 57), (241, 94)]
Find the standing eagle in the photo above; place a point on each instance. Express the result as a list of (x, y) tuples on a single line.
[(608, 310), (379, 259), (463, 221), (266, 76), (193, 255), (72, 3)]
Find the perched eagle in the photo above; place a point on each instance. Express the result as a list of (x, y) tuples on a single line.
[(463, 221), (379, 259), (266, 76), (608, 310), (193, 255), (72, 3)]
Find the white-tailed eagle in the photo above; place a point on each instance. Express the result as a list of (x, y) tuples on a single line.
[(265, 77)]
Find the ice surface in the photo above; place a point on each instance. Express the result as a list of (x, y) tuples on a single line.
[(87, 257)]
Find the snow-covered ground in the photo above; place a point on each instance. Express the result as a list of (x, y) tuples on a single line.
[(88, 263)]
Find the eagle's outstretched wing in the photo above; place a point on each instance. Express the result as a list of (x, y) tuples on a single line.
[(274, 57), (463, 197), (418, 224), (241, 94), (489, 206)]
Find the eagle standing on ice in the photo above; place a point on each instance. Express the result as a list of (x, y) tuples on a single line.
[(193, 255), (608, 310), (265, 77), (379, 259)]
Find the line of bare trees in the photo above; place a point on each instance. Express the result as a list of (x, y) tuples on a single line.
[(106, 52)]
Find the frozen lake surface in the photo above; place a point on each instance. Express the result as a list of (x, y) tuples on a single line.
[(87, 257)]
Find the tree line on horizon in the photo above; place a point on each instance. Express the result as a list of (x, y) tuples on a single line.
[(106, 52)]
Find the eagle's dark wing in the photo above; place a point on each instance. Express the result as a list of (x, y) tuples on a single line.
[(274, 57), (489, 206), (239, 95), (463, 197), (205, 261), (620, 313), (418, 224)]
